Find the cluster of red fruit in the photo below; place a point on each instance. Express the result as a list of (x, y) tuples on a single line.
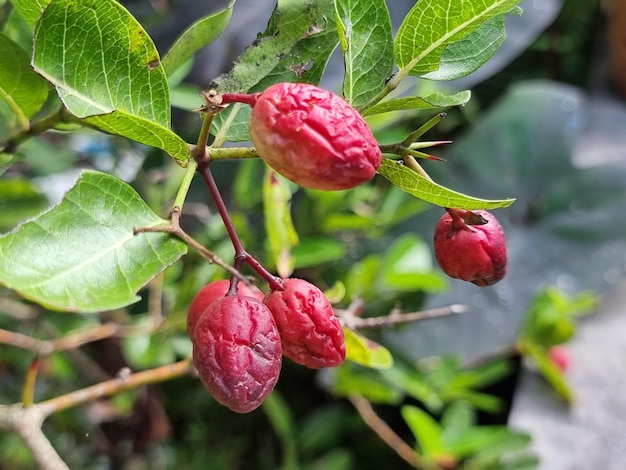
[(239, 340), (317, 140)]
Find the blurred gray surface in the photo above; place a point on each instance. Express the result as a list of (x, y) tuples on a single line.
[(591, 434)]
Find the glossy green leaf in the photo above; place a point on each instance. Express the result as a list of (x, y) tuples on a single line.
[(366, 40), (415, 184), (200, 34), (426, 430), (313, 251), (432, 25), (22, 91), (107, 71), (295, 47), (467, 55), (538, 355), (366, 352), (82, 255), (433, 101), (281, 234), (30, 10), (482, 401)]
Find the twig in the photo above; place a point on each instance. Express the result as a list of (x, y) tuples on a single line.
[(71, 341), (382, 430), (175, 229), (349, 319), (122, 383)]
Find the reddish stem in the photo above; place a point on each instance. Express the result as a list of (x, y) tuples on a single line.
[(241, 255), (246, 98)]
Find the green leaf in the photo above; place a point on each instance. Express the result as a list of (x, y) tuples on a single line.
[(426, 430), (351, 379), (432, 25), (366, 352), (313, 251), (538, 355), (200, 34), (295, 47), (108, 74), (281, 234), (18, 201), (433, 101), (30, 9), (408, 265), (366, 40), (82, 255), (467, 55), (19, 31), (415, 184), (482, 401), (22, 91), (457, 419), (485, 375)]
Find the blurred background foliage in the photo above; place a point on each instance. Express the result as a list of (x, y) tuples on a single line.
[(372, 242)]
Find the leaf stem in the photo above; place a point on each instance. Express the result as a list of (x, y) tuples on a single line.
[(35, 128), (185, 184), (228, 153), (28, 392)]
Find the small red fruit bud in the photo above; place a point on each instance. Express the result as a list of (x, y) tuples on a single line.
[(313, 137), (560, 357), (470, 245), (311, 334), (209, 294), (237, 352)]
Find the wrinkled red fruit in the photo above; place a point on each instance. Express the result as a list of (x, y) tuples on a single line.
[(470, 245), (209, 294), (313, 137), (237, 352), (311, 334)]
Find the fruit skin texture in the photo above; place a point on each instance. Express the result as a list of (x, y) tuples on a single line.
[(237, 352), (313, 137), (209, 294), (311, 333), (474, 253)]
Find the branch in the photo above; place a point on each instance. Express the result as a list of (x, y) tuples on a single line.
[(384, 432), (175, 229), (350, 317)]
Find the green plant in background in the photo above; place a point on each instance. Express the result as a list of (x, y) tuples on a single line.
[(75, 71)]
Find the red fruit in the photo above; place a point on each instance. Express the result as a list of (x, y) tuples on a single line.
[(470, 245), (311, 334), (237, 352), (209, 294), (560, 357), (313, 137)]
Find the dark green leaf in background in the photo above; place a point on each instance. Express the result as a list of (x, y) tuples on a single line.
[(415, 184), (432, 25), (107, 71), (22, 91), (82, 255), (30, 10), (366, 40), (281, 234)]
